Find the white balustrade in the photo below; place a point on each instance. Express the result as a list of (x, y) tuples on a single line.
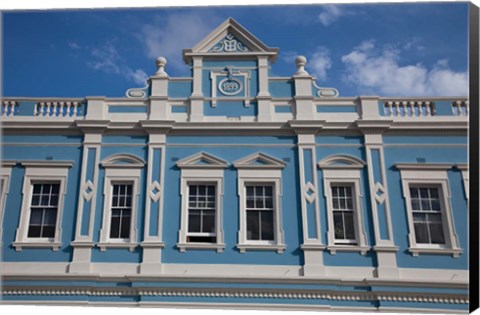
[(57, 109), (8, 108), (460, 108), (409, 108)]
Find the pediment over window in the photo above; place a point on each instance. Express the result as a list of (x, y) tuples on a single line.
[(123, 160), (341, 161), (259, 160), (202, 160), (230, 38)]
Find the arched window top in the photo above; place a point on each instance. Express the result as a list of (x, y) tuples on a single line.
[(341, 161), (123, 160)]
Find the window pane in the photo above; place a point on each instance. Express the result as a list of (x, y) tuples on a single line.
[(434, 193), (128, 201), (250, 191), (250, 203), (194, 220), (37, 188), (436, 233), (208, 221), (259, 202), (334, 191), (35, 200), (349, 225), (48, 231), (421, 233), (125, 228), (36, 216), (414, 192), (253, 225), (34, 230), (211, 191), (343, 204), (115, 189), (419, 217), (55, 189), (436, 204), (115, 226), (50, 217), (348, 191), (425, 204), (338, 225), (350, 203), (269, 202), (54, 200), (201, 190), (423, 192), (415, 204), (193, 190), (335, 203), (44, 200), (268, 191), (267, 225)]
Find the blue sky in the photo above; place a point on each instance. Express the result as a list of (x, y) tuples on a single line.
[(410, 49)]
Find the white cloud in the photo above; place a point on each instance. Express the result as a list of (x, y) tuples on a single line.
[(330, 14), (319, 63), (107, 59), (167, 37), (380, 72)]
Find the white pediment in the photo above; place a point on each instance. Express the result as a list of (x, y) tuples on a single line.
[(230, 38), (341, 161), (259, 160), (123, 160), (202, 160)]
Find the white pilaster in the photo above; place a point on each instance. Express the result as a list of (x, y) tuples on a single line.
[(197, 99), (83, 243)]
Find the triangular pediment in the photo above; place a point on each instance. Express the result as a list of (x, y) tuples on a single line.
[(259, 160), (202, 160), (230, 38)]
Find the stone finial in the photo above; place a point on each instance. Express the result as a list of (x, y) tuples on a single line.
[(161, 62), (300, 62)]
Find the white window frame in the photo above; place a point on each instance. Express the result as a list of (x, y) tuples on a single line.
[(5, 175), (41, 172), (344, 170), (209, 172), (120, 169), (269, 172), (430, 175)]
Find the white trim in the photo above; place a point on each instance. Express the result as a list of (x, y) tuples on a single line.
[(267, 162), (438, 177), (348, 176), (127, 173), (247, 175), (38, 172), (244, 86), (210, 161), (201, 174), (341, 161), (5, 175), (126, 161), (466, 178)]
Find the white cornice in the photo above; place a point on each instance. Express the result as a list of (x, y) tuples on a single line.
[(8, 163), (424, 166), (241, 293), (46, 163), (351, 162)]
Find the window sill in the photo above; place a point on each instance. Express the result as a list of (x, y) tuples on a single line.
[(455, 252), (348, 248), (104, 245), (150, 244), (280, 248), (184, 246), (55, 246)]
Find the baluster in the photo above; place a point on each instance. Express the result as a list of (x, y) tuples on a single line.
[(428, 109), (75, 108), (42, 109), (3, 108), (386, 108), (404, 108), (395, 109), (68, 107), (48, 111), (12, 108), (466, 103), (54, 109)]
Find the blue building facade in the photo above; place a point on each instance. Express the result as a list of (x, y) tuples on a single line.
[(236, 188)]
